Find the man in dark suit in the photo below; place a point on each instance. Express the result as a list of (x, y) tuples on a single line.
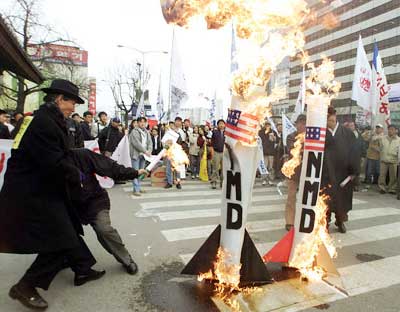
[(36, 211)]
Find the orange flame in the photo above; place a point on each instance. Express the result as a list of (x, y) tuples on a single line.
[(304, 258), (227, 278), (289, 167), (176, 155), (270, 30)]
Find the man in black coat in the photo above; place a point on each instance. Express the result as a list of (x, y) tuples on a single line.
[(341, 161), (93, 202), (110, 137), (36, 211)]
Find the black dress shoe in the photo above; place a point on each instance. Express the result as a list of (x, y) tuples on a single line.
[(28, 296), (92, 275), (341, 227), (179, 186), (131, 268), (168, 186)]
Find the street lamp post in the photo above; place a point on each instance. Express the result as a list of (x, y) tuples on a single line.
[(143, 53)]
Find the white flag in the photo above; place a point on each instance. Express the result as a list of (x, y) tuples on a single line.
[(5, 154), (178, 80), (273, 126), (287, 128), (380, 91), (121, 154), (362, 82), (301, 99)]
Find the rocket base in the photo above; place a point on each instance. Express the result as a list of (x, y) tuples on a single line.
[(253, 271)]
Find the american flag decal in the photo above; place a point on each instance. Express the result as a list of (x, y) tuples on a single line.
[(241, 126), (315, 139)]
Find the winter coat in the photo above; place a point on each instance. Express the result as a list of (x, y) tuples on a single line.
[(109, 139), (389, 148), (135, 143), (36, 211), (341, 159), (92, 198), (86, 131)]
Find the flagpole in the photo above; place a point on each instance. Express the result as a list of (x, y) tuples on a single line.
[(170, 75)]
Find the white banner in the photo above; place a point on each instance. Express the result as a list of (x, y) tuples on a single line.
[(380, 91), (394, 92), (362, 82), (5, 154), (105, 182)]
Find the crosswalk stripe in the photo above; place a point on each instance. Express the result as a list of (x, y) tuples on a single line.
[(203, 213), (195, 232), (353, 237), (209, 213), (207, 192), (206, 201)]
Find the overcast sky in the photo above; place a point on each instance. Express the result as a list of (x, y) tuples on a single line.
[(99, 26)]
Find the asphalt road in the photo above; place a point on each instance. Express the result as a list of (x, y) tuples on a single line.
[(164, 228)]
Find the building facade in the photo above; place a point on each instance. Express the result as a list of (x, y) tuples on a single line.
[(54, 61), (374, 20)]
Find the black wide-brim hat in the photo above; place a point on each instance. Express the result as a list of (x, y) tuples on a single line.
[(64, 87)]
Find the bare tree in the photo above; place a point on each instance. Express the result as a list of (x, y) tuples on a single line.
[(127, 85), (26, 23)]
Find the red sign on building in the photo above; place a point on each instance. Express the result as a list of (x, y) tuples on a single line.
[(92, 96), (60, 54)]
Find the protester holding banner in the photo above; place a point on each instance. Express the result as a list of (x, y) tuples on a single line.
[(4, 131), (140, 144), (293, 182), (341, 166), (36, 211), (389, 148)]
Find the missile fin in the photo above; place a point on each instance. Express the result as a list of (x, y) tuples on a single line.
[(324, 260), (280, 253), (203, 260), (253, 270)]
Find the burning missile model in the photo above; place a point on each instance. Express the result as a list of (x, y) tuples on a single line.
[(304, 246), (239, 168)]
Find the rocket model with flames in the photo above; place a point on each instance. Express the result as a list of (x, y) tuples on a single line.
[(269, 31), (239, 168), (307, 246)]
